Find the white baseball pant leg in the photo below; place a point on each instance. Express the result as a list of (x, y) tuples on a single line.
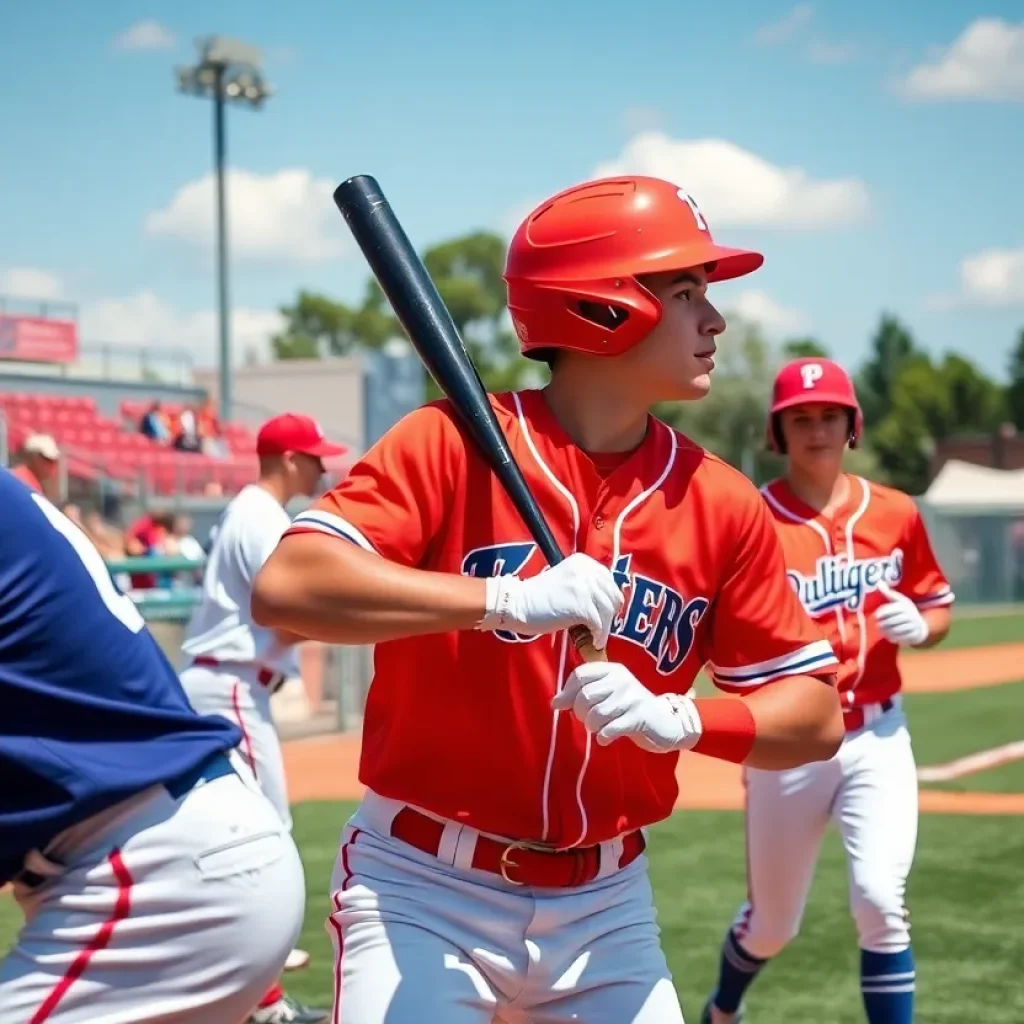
[(869, 790), (877, 816), (787, 813), (240, 697), (417, 939), (163, 909)]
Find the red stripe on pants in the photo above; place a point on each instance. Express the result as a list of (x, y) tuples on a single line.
[(336, 1017), (246, 739), (122, 907)]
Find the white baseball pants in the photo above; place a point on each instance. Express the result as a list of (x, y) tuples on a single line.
[(869, 791), (417, 939), (237, 695), (177, 910)]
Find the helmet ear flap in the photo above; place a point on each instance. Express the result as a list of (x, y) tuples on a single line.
[(856, 427), (774, 441)]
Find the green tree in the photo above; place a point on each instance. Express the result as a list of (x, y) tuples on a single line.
[(468, 274), (800, 348), (316, 326), (891, 347), (927, 404), (1015, 390), (976, 403)]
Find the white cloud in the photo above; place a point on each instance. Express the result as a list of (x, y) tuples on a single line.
[(287, 217), (994, 277), (734, 186), (145, 319), (146, 35), (758, 307), (30, 283), (783, 30), (986, 62)]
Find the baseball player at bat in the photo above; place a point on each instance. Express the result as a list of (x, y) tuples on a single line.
[(495, 869), (157, 882), (859, 558)]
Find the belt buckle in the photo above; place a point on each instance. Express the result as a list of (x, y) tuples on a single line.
[(506, 861)]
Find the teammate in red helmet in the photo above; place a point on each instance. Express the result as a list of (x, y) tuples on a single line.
[(495, 868), (859, 558)]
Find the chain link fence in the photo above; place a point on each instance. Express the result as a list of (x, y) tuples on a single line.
[(981, 553)]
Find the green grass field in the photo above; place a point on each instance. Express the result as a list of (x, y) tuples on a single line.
[(973, 628), (950, 725), (965, 895)]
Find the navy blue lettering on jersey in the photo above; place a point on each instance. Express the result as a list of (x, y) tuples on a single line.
[(91, 710), (654, 616)]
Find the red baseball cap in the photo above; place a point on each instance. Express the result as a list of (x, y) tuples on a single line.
[(291, 432), (814, 380)]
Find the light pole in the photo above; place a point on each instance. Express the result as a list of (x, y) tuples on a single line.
[(228, 71)]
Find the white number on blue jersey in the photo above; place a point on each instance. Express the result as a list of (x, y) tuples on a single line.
[(121, 607)]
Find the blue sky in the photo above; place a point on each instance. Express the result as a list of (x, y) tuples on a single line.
[(872, 151)]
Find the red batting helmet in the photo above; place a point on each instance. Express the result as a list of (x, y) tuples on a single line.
[(812, 380), (579, 253)]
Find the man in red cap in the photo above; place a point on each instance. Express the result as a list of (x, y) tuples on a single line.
[(234, 666)]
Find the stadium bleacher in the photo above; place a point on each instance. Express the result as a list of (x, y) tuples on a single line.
[(96, 445)]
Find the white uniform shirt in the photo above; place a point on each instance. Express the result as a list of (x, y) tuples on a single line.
[(221, 626)]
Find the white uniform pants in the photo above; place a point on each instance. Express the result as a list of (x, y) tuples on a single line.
[(177, 911), (237, 694), (869, 790), (417, 939)]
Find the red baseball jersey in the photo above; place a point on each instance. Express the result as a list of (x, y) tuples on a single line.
[(835, 565), (460, 723)]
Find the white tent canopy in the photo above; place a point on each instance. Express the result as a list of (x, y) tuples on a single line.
[(966, 486)]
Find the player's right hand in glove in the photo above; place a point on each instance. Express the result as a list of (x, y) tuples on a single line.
[(576, 591)]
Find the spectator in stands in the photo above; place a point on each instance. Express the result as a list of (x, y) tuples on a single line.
[(208, 428), (39, 465), (109, 540), (154, 424), (147, 536), (187, 438), (182, 542)]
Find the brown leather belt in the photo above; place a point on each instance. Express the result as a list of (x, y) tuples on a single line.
[(516, 862)]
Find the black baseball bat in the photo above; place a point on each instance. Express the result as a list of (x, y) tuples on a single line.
[(422, 313)]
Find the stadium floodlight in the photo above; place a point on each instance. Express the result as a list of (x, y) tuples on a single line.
[(228, 71)]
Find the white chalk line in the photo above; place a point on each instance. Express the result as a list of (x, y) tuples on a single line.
[(972, 763)]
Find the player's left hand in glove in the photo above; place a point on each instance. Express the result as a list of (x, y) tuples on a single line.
[(899, 620), (611, 702)]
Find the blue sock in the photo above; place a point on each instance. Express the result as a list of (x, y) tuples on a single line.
[(887, 985), (738, 969)]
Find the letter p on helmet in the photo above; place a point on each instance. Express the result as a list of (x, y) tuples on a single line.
[(811, 373)]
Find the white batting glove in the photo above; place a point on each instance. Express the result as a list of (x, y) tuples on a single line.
[(611, 702), (576, 591), (899, 620)]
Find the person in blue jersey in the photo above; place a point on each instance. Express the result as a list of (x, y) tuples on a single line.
[(157, 881)]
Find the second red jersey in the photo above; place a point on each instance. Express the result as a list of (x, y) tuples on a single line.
[(836, 564), (461, 723)]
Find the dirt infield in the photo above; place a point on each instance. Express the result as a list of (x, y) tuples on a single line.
[(325, 767)]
